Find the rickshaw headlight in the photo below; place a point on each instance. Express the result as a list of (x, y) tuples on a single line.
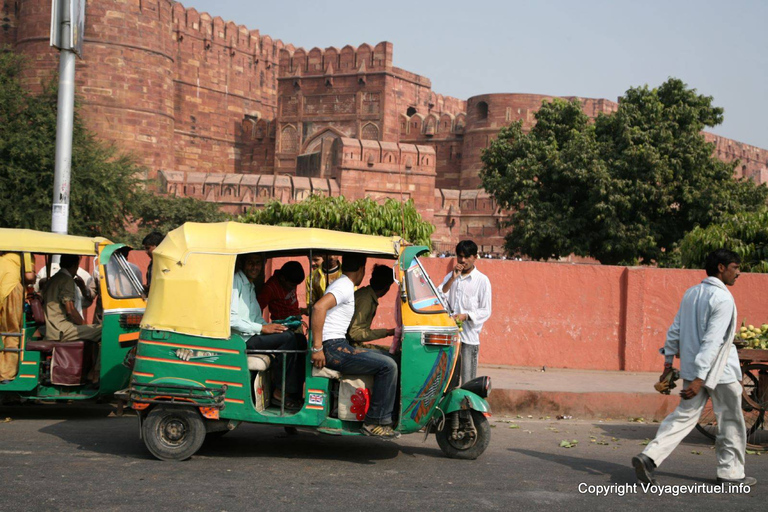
[(480, 386)]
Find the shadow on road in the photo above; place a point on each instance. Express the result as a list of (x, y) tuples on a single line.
[(618, 473), (120, 437), (641, 431)]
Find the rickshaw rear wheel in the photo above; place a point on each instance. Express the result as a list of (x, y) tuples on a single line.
[(468, 447), (173, 432)]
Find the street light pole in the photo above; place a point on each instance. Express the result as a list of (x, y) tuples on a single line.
[(64, 120)]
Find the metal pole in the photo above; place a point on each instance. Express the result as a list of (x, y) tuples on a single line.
[(64, 124)]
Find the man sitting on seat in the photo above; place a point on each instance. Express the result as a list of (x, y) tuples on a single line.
[(328, 270), (366, 304), (245, 318), (279, 292), (331, 317), (62, 320)]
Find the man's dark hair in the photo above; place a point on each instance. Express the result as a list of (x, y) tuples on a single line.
[(352, 262), (69, 260), (381, 277), (717, 257), (153, 239), (293, 272), (466, 248)]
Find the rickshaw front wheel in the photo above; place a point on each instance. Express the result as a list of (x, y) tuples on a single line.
[(173, 432), (459, 440)]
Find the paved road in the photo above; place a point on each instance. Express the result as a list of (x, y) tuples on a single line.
[(84, 458)]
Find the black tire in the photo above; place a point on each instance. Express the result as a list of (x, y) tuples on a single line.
[(465, 449), (173, 432)]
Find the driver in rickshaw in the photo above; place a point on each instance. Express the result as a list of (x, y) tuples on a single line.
[(246, 319)]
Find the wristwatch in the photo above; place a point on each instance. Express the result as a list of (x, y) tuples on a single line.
[(315, 350)]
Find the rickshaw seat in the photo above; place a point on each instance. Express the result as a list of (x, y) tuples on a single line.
[(40, 346), (258, 362), (326, 373)]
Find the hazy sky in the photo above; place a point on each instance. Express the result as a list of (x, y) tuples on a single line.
[(590, 48)]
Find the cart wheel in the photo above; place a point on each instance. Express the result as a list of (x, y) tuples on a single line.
[(469, 447), (756, 399), (753, 417), (173, 432)]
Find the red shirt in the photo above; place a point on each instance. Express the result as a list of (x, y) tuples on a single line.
[(282, 303)]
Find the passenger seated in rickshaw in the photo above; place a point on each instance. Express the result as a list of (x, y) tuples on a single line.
[(331, 317), (279, 292), (327, 271), (366, 304), (62, 320), (246, 319)]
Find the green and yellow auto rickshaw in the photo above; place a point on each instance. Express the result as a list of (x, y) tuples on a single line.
[(57, 370), (193, 377)]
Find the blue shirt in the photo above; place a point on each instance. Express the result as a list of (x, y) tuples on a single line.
[(244, 311), (700, 328)]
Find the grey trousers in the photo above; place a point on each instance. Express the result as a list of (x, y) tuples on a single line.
[(731, 442), (469, 362)]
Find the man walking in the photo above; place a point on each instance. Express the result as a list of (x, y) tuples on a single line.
[(469, 296), (702, 336)]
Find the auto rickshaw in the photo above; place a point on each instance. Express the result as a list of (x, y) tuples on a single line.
[(193, 377), (55, 370)]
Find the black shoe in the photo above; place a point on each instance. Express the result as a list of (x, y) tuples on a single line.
[(644, 467), (747, 480)]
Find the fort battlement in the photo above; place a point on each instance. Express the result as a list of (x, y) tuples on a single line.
[(349, 59), (224, 113)]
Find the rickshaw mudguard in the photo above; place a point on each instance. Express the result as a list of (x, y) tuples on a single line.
[(458, 399)]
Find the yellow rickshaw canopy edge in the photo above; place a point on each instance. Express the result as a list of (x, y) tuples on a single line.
[(238, 238), (41, 242)]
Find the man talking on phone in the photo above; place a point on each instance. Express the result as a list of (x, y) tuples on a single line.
[(469, 295)]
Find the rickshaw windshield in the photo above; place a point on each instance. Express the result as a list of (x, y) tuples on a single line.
[(423, 296), (123, 278)]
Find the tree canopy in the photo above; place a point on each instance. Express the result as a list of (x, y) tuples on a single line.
[(744, 233), (108, 193), (622, 189), (364, 216)]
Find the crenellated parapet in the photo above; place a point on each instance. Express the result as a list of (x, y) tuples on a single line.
[(330, 61), (242, 191)]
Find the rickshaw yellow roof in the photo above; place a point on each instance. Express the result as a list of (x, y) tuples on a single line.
[(237, 238), (28, 240)]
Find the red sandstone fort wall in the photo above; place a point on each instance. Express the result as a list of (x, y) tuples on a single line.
[(240, 109)]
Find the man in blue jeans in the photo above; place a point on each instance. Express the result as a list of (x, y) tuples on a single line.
[(331, 316)]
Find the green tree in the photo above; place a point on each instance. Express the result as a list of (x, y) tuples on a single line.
[(363, 216), (104, 184), (744, 233), (107, 191), (624, 189)]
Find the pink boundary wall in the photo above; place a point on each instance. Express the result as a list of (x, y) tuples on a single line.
[(564, 315)]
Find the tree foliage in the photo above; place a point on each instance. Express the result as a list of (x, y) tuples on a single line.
[(364, 216), (107, 191), (103, 183), (623, 189), (745, 233)]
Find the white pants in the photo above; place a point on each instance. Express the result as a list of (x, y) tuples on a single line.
[(731, 441)]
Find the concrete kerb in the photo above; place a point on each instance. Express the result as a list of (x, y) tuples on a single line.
[(579, 393)]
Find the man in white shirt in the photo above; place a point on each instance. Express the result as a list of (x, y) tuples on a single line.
[(469, 295), (331, 316), (702, 336)]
